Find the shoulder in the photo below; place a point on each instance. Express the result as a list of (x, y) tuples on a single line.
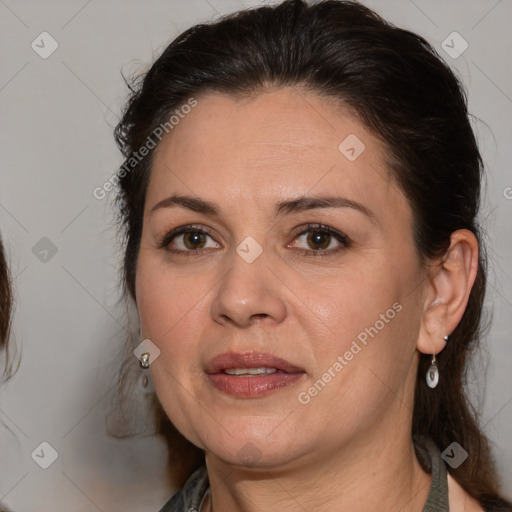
[(455, 496), (461, 501)]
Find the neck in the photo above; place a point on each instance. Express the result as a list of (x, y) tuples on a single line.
[(362, 475)]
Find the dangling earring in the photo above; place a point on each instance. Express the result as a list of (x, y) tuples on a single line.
[(144, 360), (433, 373)]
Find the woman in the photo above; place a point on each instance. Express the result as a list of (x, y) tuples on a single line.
[(300, 195)]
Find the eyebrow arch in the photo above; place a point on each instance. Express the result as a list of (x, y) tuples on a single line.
[(192, 203), (283, 208), (310, 203)]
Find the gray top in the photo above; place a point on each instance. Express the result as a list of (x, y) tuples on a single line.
[(430, 458), (190, 496)]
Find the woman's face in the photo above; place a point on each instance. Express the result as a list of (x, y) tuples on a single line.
[(294, 262)]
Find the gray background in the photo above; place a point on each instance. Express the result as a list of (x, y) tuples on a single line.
[(56, 143)]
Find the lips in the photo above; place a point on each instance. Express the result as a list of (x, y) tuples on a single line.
[(251, 374), (249, 360)]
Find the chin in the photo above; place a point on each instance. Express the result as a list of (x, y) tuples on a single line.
[(252, 442)]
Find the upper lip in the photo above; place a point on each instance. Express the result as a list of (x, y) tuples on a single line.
[(249, 360)]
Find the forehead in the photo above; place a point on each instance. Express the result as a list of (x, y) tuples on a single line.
[(284, 142)]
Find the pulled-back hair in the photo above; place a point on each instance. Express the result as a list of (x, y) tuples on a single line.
[(396, 84)]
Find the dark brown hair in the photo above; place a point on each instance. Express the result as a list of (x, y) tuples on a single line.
[(5, 306), (401, 90)]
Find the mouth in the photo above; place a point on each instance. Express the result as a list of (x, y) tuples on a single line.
[(251, 374)]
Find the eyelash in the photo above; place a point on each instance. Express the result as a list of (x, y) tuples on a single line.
[(343, 239)]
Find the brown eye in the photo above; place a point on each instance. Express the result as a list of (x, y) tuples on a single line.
[(318, 240), (188, 240), (194, 240)]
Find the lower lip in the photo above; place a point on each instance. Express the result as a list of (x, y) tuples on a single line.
[(253, 387)]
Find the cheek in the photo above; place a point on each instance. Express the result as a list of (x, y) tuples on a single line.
[(370, 319), (168, 308), (170, 312), (353, 302), (363, 367)]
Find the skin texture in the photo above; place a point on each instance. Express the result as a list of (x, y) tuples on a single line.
[(245, 157)]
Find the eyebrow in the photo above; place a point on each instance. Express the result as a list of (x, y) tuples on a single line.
[(282, 208)]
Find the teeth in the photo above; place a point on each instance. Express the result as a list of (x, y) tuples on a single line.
[(250, 371)]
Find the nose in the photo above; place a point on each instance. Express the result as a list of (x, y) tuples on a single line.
[(249, 293)]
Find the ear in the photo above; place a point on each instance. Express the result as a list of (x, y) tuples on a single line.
[(447, 291)]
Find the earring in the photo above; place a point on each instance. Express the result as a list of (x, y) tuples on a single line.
[(447, 337), (433, 373), (145, 383), (144, 360)]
